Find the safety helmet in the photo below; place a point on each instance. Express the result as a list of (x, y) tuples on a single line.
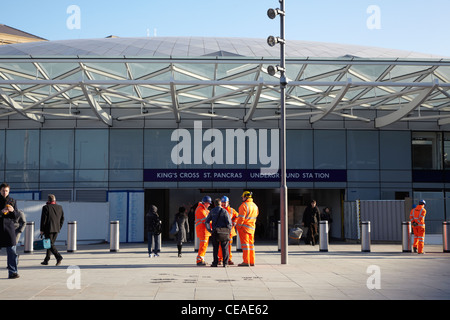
[(422, 202), (247, 194), (225, 199), (207, 199)]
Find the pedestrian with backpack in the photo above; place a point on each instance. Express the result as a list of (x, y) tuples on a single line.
[(154, 229)]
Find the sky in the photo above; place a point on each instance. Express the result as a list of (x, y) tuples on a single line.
[(413, 25)]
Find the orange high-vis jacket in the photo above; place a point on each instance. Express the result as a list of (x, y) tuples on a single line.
[(248, 212), (233, 216), (200, 216), (417, 215)]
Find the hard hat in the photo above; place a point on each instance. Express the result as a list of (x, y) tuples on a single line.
[(207, 199), (422, 202), (247, 194), (225, 199)]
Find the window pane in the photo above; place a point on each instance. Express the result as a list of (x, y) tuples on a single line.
[(126, 149), (395, 150), (157, 149), (426, 149), (57, 149), (91, 149), (299, 149), (362, 149), (23, 147), (329, 149)]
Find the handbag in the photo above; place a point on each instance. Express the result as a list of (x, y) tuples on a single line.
[(41, 244), (174, 228)]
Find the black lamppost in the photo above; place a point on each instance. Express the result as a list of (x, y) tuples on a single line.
[(272, 41)]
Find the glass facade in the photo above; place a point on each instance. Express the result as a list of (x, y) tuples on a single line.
[(379, 165)]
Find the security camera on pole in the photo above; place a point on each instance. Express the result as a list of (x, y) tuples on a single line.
[(272, 41)]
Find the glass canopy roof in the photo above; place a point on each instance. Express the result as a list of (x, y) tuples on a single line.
[(403, 87)]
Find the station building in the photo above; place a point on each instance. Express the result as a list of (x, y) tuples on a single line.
[(167, 120)]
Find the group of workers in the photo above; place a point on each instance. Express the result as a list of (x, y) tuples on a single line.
[(243, 222)]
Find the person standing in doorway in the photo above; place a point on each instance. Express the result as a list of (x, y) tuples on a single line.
[(417, 217), (311, 218), (246, 225), (52, 219), (183, 228), (8, 230), (202, 234), (154, 228)]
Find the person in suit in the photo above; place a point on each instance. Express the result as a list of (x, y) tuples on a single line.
[(52, 219)]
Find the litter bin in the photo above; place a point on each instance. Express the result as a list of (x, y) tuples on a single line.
[(29, 237), (71, 236), (365, 236), (406, 236), (323, 232), (446, 235), (114, 236)]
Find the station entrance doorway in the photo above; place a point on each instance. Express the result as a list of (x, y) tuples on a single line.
[(169, 201)]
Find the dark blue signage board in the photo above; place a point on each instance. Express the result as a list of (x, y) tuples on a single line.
[(241, 175)]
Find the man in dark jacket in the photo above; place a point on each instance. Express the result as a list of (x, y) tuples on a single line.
[(311, 218), (220, 219), (7, 229), (52, 219), (154, 228)]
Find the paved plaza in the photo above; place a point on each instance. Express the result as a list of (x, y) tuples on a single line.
[(342, 273)]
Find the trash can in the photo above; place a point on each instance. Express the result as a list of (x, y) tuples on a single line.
[(406, 236), (365, 236), (446, 235), (29, 237), (323, 232), (71, 236), (114, 236)]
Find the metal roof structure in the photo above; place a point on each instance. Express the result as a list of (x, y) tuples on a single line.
[(221, 78)]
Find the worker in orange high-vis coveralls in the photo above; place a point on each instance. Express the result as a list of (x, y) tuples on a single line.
[(417, 217), (202, 234), (245, 225), (225, 203)]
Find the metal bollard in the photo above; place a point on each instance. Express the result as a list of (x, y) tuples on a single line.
[(446, 235), (197, 241), (365, 236), (238, 242), (29, 237), (114, 236), (71, 236), (279, 235), (323, 231), (406, 236)]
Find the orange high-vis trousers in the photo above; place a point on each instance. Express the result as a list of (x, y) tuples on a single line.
[(419, 238), (202, 246), (248, 247)]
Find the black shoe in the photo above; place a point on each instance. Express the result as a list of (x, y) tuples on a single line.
[(44, 263), (13, 276), (214, 265), (58, 262)]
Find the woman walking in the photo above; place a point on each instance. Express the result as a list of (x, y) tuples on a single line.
[(183, 228)]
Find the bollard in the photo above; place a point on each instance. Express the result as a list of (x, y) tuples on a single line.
[(71, 236), (446, 235), (406, 236), (279, 235), (197, 242), (29, 237), (323, 232), (365, 236), (114, 236), (238, 242)]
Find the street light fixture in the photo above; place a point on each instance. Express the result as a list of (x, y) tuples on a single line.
[(272, 41)]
